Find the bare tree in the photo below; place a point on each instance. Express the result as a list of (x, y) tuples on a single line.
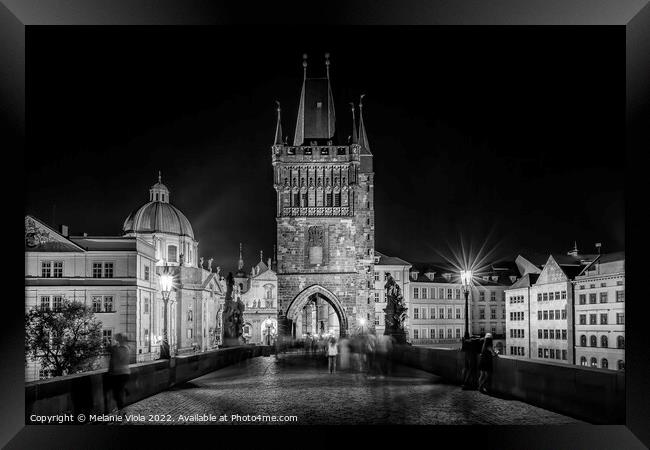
[(66, 339)]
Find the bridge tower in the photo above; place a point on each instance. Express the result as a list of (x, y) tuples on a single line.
[(325, 213)]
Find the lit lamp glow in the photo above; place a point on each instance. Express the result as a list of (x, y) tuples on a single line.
[(362, 322)]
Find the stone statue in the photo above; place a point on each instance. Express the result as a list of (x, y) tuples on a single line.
[(210, 264), (201, 262), (233, 314), (181, 259), (395, 311)]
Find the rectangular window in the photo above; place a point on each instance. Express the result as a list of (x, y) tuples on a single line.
[(493, 296), (189, 333), (107, 337), (481, 313), (545, 334), (603, 297), (545, 315), (564, 314), (416, 313), (328, 199), (376, 297), (457, 313), (545, 353), (564, 355), (512, 333), (449, 335), (564, 335), (97, 270), (493, 313), (457, 293), (441, 313), (146, 305), (539, 315), (97, 303), (557, 295), (481, 296), (563, 295), (441, 293), (108, 270), (583, 299), (522, 333), (376, 276), (552, 351), (337, 199), (551, 334), (424, 333), (416, 293), (539, 352), (557, 335), (146, 273), (416, 334), (539, 297), (620, 296), (449, 293), (423, 313), (620, 318), (592, 298), (57, 302), (511, 316), (583, 319), (449, 313), (550, 296), (592, 319), (46, 269), (545, 296), (432, 333), (457, 333), (108, 303), (424, 292), (57, 269), (603, 319), (539, 334), (305, 199), (45, 303), (551, 315), (433, 313), (441, 334)]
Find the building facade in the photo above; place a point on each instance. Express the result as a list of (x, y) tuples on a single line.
[(600, 313), (118, 277), (325, 215)]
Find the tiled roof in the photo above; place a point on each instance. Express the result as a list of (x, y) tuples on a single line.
[(105, 243), (385, 260)]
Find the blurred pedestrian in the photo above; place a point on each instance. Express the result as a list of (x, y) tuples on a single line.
[(344, 351), (485, 364), (118, 369), (332, 352)]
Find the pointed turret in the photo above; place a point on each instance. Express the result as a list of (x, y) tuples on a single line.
[(363, 137), (278, 128), (355, 136), (316, 116), (240, 266)]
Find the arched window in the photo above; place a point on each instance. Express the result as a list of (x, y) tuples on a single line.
[(172, 253), (620, 342), (593, 362), (583, 341), (593, 341), (603, 341), (620, 364), (604, 363), (583, 361)]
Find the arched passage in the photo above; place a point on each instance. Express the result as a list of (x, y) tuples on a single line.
[(308, 295)]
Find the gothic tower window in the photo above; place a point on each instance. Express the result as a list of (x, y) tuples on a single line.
[(315, 245)]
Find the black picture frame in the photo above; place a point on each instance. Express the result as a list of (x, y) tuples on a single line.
[(17, 16)]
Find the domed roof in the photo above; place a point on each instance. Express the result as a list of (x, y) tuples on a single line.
[(158, 217)]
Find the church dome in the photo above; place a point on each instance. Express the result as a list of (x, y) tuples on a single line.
[(158, 215)]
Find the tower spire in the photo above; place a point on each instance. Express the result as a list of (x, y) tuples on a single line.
[(159, 176), (363, 137), (355, 136), (261, 255), (299, 135), (278, 128), (241, 257), (331, 116)]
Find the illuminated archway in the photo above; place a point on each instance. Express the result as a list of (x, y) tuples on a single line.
[(306, 295)]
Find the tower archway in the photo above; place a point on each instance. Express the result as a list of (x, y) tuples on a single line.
[(316, 293)]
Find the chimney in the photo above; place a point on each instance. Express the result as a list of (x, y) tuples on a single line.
[(85, 234), (64, 230)]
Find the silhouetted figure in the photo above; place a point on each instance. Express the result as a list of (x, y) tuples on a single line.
[(471, 349), (384, 348), (118, 369), (344, 350), (485, 364), (332, 352)]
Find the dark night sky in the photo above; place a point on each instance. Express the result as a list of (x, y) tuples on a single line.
[(514, 135)]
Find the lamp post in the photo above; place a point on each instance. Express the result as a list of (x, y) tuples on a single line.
[(466, 279), (166, 284), (362, 322)]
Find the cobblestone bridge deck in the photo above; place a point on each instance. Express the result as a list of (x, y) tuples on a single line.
[(299, 386)]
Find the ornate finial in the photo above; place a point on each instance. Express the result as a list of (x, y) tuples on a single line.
[(361, 100), (241, 257), (327, 64), (261, 255), (159, 176), (304, 64)]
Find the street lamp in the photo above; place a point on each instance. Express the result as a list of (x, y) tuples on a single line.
[(166, 285), (466, 280), (362, 322)]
